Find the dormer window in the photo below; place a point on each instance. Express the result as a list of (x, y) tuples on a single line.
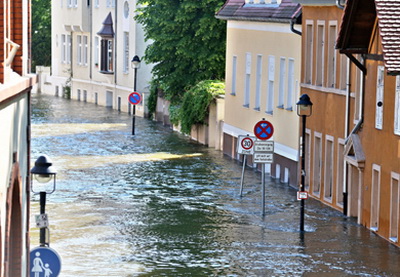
[(263, 2), (107, 46)]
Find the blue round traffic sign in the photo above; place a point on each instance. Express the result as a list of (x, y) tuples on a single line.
[(44, 262), (263, 130), (134, 98)]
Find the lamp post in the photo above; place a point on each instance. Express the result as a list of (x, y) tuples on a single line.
[(43, 173), (135, 65), (304, 110)]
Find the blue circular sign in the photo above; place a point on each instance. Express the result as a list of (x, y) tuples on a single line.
[(44, 262), (263, 130), (134, 98)]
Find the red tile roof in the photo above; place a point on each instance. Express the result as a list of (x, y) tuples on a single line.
[(388, 12), (237, 10)]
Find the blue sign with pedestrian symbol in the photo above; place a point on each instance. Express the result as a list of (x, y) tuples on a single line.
[(44, 262)]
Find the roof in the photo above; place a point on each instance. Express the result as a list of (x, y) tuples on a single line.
[(238, 10), (107, 30), (358, 23)]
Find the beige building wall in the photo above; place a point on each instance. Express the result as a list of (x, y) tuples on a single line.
[(263, 57)]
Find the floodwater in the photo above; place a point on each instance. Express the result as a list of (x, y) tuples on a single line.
[(158, 204)]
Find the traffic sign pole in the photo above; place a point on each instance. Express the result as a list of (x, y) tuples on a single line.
[(263, 190), (242, 179)]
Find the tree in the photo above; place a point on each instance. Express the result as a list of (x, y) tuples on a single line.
[(41, 33), (188, 42)]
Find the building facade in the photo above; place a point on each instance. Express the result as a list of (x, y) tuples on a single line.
[(15, 88), (370, 37), (263, 60), (93, 43)]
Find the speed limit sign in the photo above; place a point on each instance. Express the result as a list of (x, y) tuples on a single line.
[(245, 145)]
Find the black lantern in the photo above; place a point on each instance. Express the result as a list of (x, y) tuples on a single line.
[(135, 62), (304, 106)]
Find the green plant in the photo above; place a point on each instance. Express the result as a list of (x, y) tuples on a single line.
[(152, 99), (195, 104)]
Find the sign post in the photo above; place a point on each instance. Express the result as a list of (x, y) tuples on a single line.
[(134, 98), (263, 151), (245, 147), (44, 261)]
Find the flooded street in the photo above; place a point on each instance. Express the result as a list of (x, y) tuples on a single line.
[(158, 204)]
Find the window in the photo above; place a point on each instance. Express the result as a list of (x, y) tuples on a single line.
[(234, 72), (96, 50), (328, 182), (69, 3), (282, 83), (308, 159), (246, 102), (84, 95), (331, 74), (317, 163), (376, 183), (258, 82), (291, 87), (108, 3), (69, 48), (126, 52), (397, 107), (379, 98), (75, 3), (358, 94), (96, 3), (85, 51), (320, 53), (63, 49), (106, 65), (343, 71), (270, 89), (79, 95), (309, 52), (394, 208), (340, 173), (79, 49)]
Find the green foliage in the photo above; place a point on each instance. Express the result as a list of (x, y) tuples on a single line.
[(41, 33), (188, 42), (152, 99), (195, 104)]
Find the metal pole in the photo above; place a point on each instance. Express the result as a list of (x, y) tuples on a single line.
[(303, 173), (242, 179), (42, 211), (263, 189), (134, 106)]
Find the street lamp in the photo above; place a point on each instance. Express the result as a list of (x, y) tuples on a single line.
[(45, 175), (304, 110), (135, 65)]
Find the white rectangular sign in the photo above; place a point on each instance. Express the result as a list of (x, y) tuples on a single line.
[(245, 145), (263, 157), (302, 195), (42, 221), (264, 146)]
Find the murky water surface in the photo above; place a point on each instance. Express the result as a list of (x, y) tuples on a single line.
[(157, 204)]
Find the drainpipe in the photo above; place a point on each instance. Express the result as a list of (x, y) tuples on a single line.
[(339, 5), (11, 54), (292, 22), (346, 135)]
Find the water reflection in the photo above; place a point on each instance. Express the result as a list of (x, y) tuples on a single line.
[(157, 204)]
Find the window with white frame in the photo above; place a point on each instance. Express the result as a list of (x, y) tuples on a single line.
[(85, 50), (75, 3), (126, 52), (96, 50), (282, 83), (309, 51), (344, 61), (258, 83), (340, 172), (79, 49), (291, 86), (329, 156), (394, 207), (69, 49), (375, 197), (96, 3), (63, 48), (270, 88), (246, 100), (358, 89), (308, 159), (234, 73), (319, 60), (379, 98), (69, 3), (317, 163), (106, 56), (331, 74), (62, 3), (397, 107)]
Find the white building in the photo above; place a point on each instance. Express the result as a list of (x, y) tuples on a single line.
[(93, 43)]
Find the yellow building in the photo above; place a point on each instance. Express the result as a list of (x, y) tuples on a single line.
[(263, 59)]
